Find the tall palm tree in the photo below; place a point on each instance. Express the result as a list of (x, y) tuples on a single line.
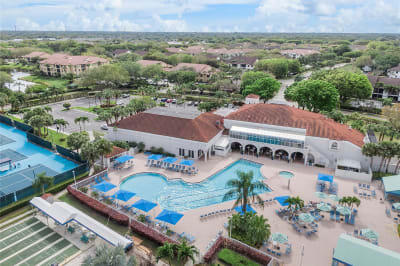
[(81, 121), (89, 153), (103, 148), (370, 150), (41, 181), (245, 188), (84, 119), (350, 201), (295, 202), (167, 252), (186, 252), (398, 157)]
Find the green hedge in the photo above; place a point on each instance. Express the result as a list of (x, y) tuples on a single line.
[(232, 258), (54, 190), (398, 229)]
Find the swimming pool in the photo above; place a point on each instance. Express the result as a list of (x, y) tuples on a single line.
[(15, 146), (179, 195)]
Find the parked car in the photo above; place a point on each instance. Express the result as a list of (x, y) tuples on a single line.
[(120, 103), (104, 127), (125, 95), (154, 98), (173, 101), (169, 100), (189, 103), (196, 103), (163, 100)]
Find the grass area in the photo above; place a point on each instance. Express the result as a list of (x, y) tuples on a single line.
[(48, 81), (233, 258), (68, 198), (398, 229), (56, 137), (87, 109), (14, 118), (350, 68), (379, 175), (14, 214), (386, 138), (20, 67)]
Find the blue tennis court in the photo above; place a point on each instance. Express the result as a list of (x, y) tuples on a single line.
[(27, 160)]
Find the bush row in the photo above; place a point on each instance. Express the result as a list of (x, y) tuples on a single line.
[(371, 110), (232, 258), (150, 233)]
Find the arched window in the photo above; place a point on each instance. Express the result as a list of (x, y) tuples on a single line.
[(334, 145)]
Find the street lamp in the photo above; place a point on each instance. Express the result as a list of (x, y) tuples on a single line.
[(73, 172)]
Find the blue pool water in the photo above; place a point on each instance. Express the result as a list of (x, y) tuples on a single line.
[(179, 196), (28, 153), (286, 174)]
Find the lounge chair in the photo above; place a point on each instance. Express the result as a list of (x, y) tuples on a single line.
[(337, 217), (346, 219), (368, 186)]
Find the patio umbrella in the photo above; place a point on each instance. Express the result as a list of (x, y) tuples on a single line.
[(123, 195), (343, 210), (323, 206), (170, 217), (279, 237), (124, 158), (306, 217), (155, 157), (281, 200), (396, 206), (370, 234), (104, 186), (187, 162), (239, 209), (333, 197), (321, 195), (144, 205), (170, 160)]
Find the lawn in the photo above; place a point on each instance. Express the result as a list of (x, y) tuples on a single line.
[(56, 137), (87, 109), (13, 214), (48, 81), (350, 68), (231, 257)]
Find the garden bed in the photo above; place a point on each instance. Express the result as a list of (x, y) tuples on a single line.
[(231, 257)]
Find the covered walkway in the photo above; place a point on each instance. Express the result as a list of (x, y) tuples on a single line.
[(63, 213)]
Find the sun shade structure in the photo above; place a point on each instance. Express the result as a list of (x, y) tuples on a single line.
[(343, 210), (64, 213), (325, 177), (239, 209), (321, 195), (333, 197), (124, 158), (123, 195), (155, 157), (323, 206), (170, 160), (354, 251), (396, 206), (370, 234), (187, 162), (104, 186), (281, 200), (144, 205), (306, 217), (279, 237), (170, 217), (392, 185)]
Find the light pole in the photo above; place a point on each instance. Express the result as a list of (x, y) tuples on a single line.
[(302, 255), (73, 172)]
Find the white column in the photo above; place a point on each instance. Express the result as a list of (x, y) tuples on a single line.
[(205, 156)]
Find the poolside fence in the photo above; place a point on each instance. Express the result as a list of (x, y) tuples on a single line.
[(80, 169), (70, 154), (39, 141), (6, 120), (23, 126)]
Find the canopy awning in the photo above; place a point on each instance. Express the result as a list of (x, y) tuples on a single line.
[(170, 160), (349, 163), (104, 186), (222, 142), (144, 205), (282, 200), (269, 133), (392, 184), (170, 217), (187, 162), (123, 195), (5, 160), (155, 157), (325, 177), (239, 209), (64, 213), (124, 158)]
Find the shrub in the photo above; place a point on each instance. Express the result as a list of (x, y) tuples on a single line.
[(398, 229), (142, 218), (83, 189), (122, 144), (141, 146), (95, 194), (132, 144), (233, 258), (67, 106)]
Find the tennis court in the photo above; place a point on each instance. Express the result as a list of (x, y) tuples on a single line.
[(31, 242), (4, 140)]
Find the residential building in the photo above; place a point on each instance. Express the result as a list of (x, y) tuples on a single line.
[(385, 87), (204, 72), (297, 53), (242, 62), (252, 99), (119, 52), (394, 72), (62, 64), (355, 251), (270, 130), (35, 56), (145, 63)]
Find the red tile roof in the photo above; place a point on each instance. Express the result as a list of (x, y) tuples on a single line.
[(145, 63), (64, 59), (198, 68), (115, 151), (384, 80), (316, 125), (303, 52), (202, 128), (41, 55)]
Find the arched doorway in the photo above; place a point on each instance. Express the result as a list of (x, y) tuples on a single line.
[(310, 159), (250, 149), (266, 151), (297, 157), (282, 155), (236, 147)]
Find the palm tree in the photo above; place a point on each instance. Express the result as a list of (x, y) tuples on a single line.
[(89, 153), (350, 201), (370, 150), (397, 149), (105, 255), (41, 181), (103, 148), (81, 119), (295, 202), (167, 252), (186, 252), (245, 189), (84, 119)]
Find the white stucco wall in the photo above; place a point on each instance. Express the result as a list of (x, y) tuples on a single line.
[(394, 74)]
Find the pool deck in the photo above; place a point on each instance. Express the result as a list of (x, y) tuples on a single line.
[(318, 249)]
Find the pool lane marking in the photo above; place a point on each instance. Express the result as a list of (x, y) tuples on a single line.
[(57, 253), (30, 245), (39, 251), (25, 237), (20, 230)]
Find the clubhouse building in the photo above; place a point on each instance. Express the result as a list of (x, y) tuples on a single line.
[(268, 130)]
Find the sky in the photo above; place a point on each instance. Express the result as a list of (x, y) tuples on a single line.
[(327, 16)]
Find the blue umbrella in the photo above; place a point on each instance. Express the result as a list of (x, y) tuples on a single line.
[(239, 209), (187, 162), (123, 195), (170, 217), (170, 160), (144, 205), (155, 157), (104, 186), (325, 177), (124, 158), (282, 200)]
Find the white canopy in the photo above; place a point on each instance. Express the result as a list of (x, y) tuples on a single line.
[(222, 142), (269, 133), (64, 213), (349, 163)]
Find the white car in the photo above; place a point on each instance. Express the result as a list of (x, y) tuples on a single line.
[(104, 127)]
